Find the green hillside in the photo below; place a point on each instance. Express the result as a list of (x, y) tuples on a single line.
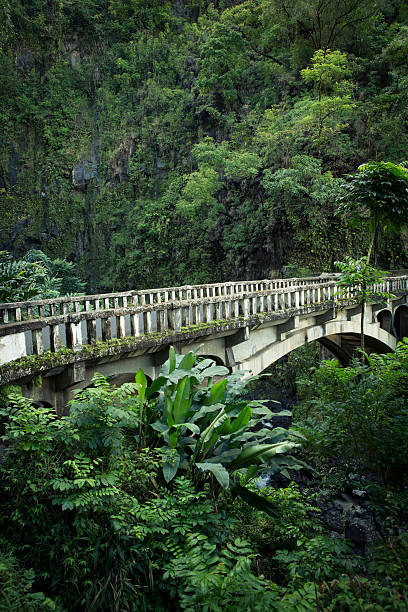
[(156, 143)]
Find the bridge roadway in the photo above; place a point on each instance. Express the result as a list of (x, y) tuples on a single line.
[(51, 347)]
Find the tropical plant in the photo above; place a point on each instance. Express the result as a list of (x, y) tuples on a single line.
[(208, 429), (358, 281), (381, 189), (19, 280)]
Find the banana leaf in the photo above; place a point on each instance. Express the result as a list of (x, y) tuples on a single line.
[(218, 470)]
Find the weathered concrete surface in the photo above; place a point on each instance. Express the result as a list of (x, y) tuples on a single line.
[(12, 347), (244, 326)]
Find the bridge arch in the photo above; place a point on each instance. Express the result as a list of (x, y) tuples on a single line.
[(384, 318), (341, 337), (401, 321)]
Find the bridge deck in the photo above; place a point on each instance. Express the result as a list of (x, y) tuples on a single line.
[(82, 323)]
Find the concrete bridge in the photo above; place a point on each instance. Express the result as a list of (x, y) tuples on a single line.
[(52, 347)]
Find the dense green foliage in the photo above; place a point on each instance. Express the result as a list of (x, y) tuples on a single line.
[(36, 276), (381, 190), (93, 521), (359, 415), (145, 141), (359, 281)]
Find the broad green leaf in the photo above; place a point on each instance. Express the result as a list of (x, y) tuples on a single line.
[(241, 420), (256, 501), (214, 371), (250, 473), (218, 470), (224, 427), (217, 393), (173, 439), (170, 469), (182, 401), (205, 410), (225, 457), (260, 453), (160, 427), (216, 422), (142, 381), (187, 362), (169, 409), (191, 426), (156, 385), (172, 359)]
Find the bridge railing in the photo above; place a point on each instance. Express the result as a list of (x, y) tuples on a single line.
[(76, 328), (38, 309)]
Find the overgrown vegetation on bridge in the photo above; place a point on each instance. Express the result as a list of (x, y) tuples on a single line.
[(144, 497)]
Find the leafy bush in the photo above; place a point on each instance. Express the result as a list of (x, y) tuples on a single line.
[(358, 415), (91, 507), (87, 502), (209, 429), (36, 276), (16, 584)]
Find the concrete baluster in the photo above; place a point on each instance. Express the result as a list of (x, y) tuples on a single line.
[(197, 314), (55, 338), (209, 308), (297, 299), (149, 322), (136, 324), (177, 319), (125, 301), (18, 314), (188, 312), (91, 331), (106, 303), (106, 329), (38, 345), (120, 327), (163, 320), (73, 333), (97, 304)]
